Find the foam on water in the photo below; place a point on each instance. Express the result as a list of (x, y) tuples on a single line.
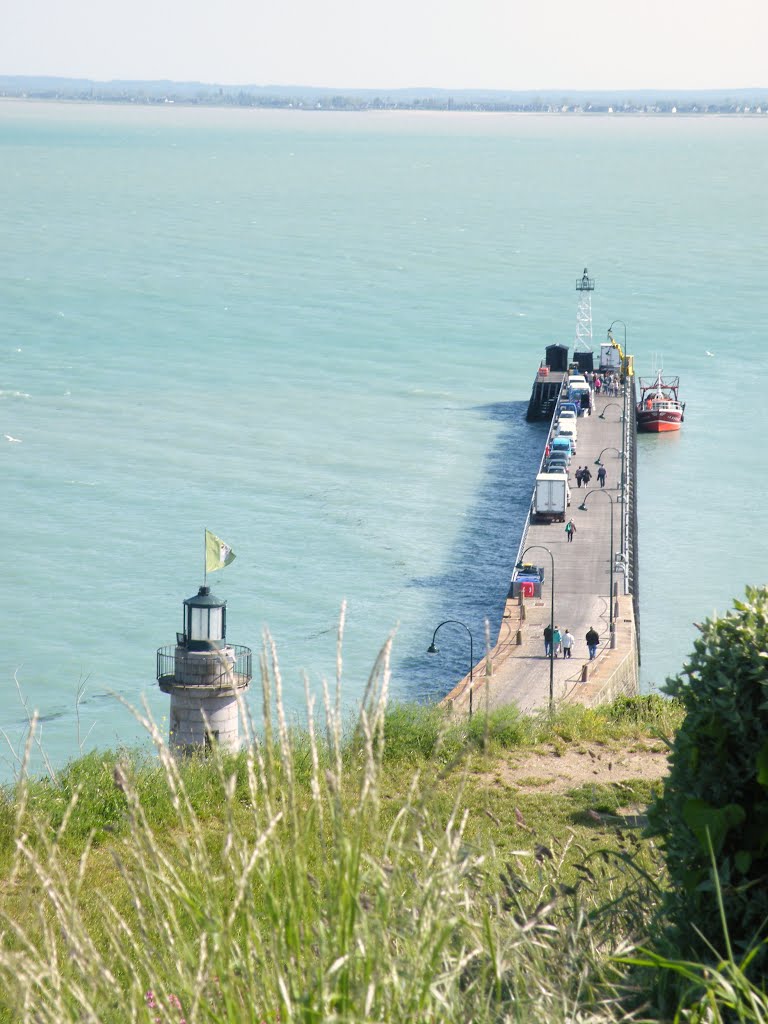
[(315, 335)]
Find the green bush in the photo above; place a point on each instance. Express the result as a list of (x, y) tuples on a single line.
[(714, 804)]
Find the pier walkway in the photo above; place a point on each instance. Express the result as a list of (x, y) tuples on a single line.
[(516, 670)]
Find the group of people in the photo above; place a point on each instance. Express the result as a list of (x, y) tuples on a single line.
[(558, 643), (607, 383), (584, 475)]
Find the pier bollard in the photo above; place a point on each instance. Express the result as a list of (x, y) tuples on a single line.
[(584, 672), (519, 638)]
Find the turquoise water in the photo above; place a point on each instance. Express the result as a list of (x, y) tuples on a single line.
[(315, 335)]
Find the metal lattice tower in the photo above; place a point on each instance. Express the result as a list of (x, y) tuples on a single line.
[(584, 286)]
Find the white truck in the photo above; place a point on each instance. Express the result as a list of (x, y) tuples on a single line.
[(551, 498)]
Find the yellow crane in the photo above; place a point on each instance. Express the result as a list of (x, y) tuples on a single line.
[(627, 361)]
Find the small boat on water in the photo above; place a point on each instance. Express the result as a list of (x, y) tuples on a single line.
[(659, 408)]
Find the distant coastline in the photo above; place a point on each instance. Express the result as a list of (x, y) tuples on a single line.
[(740, 102)]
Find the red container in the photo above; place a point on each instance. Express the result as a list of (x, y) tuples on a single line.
[(528, 589)]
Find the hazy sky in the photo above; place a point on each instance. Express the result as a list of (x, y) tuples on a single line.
[(498, 44)]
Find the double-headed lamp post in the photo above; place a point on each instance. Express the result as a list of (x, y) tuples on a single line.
[(435, 650), (583, 508), (519, 565)]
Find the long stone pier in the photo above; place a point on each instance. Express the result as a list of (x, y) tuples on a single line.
[(587, 593)]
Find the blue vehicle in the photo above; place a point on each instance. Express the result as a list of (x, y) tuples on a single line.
[(561, 444), (569, 406)]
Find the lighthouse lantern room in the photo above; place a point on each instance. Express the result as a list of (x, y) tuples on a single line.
[(205, 677)]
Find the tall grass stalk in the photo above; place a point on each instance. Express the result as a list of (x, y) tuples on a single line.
[(310, 895)]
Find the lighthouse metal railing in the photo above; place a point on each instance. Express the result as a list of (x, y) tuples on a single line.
[(231, 670)]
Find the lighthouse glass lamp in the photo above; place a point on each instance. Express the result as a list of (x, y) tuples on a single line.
[(205, 621)]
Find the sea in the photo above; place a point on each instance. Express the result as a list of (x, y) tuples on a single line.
[(315, 334)]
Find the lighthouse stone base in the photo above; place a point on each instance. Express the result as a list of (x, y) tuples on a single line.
[(197, 721)]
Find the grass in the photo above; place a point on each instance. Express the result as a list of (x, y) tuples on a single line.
[(376, 874)]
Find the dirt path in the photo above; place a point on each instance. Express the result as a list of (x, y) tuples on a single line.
[(557, 770)]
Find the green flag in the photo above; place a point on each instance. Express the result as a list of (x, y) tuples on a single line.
[(217, 552)]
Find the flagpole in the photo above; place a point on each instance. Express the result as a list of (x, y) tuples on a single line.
[(205, 558)]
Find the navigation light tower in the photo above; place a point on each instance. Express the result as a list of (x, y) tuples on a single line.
[(584, 286)]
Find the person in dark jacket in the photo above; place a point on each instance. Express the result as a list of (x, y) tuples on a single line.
[(547, 641), (593, 639)]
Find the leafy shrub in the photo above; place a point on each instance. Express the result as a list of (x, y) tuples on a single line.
[(714, 804)]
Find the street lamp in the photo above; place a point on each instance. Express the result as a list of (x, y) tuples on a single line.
[(610, 448), (435, 650), (625, 413), (551, 619), (583, 508), (607, 407), (625, 333)]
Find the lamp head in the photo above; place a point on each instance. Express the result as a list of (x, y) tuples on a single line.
[(598, 462), (583, 507), (432, 649)]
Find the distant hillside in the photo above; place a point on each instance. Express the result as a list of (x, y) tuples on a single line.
[(753, 100)]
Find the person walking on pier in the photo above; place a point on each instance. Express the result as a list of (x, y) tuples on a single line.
[(547, 640), (593, 639), (570, 529), (586, 476), (567, 643), (601, 476), (557, 640), (579, 476)]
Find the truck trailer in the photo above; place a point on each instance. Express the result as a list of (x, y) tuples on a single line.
[(551, 498)]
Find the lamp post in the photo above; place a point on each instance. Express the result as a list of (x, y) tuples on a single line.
[(607, 407), (610, 448), (435, 650), (551, 618), (624, 417), (583, 508), (625, 333)]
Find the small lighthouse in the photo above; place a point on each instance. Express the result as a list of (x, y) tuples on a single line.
[(205, 676)]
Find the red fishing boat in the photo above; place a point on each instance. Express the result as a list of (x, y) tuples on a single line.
[(659, 408)]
